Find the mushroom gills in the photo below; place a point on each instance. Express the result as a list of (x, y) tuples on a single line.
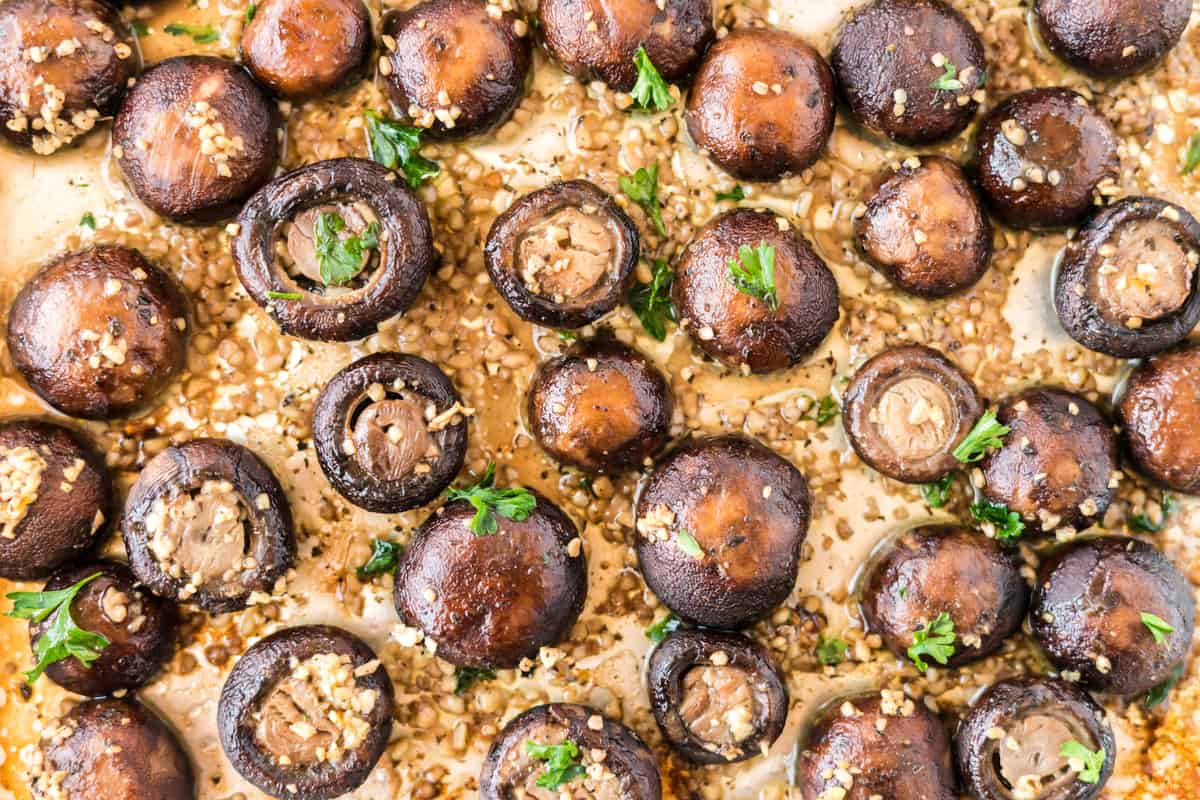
[(565, 255), (391, 437), (1028, 759), (720, 706), (204, 533), (1147, 275), (301, 251), (916, 417)]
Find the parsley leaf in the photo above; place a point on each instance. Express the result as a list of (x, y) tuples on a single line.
[(753, 273), (1007, 524), (1159, 627), (88, 220), (1087, 763), (1142, 523), (650, 92), (987, 434), (948, 81), (384, 556), (736, 194), (395, 146), (935, 640), (138, 28), (201, 34), (513, 503), (642, 189), (341, 259), (652, 301), (567, 336), (63, 638), (562, 762), (688, 544), (832, 651), (937, 494), (663, 628), (251, 10), (1159, 693), (827, 409), (1191, 158), (466, 677), (274, 295)]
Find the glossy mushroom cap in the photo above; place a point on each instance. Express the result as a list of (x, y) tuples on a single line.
[(761, 105), (1159, 418), (304, 48), (99, 333), (1111, 38)]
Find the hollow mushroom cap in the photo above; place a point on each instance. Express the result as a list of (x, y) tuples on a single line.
[(492, 600), (1111, 38), (629, 770), (304, 48), (602, 407), (905, 411), (392, 278), (717, 697), (99, 333), (294, 676), (83, 52), (456, 71), (891, 77), (211, 510), (563, 256), (1035, 717), (1089, 607), (60, 497), (111, 748), (674, 34), (1159, 418), (745, 510), (761, 104), (1058, 466), (170, 118), (1128, 284)]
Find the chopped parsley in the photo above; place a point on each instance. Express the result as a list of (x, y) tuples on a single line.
[(663, 628), (567, 336), (562, 762), (948, 81), (274, 295), (1159, 693), (650, 92), (826, 410), (736, 194), (88, 220), (652, 301), (1007, 524), (688, 544), (987, 434), (514, 503), (1158, 627), (831, 651), (340, 259), (935, 640), (1191, 157), (62, 638), (937, 494), (1086, 762), (1142, 523), (753, 273), (642, 189), (396, 146), (139, 28), (466, 677), (251, 10), (384, 556), (201, 34)]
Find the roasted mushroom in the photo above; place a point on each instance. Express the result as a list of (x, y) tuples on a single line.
[(601, 407), (1128, 284), (207, 522), (613, 762), (304, 48), (881, 744), (750, 290), (1115, 611), (334, 248), (306, 713), (1045, 158), (720, 527), (139, 627), (64, 64), (933, 570), (111, 749), (57, 494), (1058, 465), (1159, 414), (1011, 743), (674, 34), (454, 69), (492, 596), (390, 432), (99, 333), (195, 137), (563, 256), (906, 410), (925, 229), (761, 106), (1114, 38), (912, 70), (717, 697)]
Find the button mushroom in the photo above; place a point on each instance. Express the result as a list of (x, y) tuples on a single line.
[(304, 48), (1160, 416), (1112, 39)]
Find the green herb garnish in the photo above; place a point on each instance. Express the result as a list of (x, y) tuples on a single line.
[(1159, 693), (832, 651), (652, 301), (567, 336), (515, 503), (251, 10), (642, 189), (562, 762), (663, 628), (1008, 524), (650, 92), (937, 494), (1191, 157), (736, 194), (384, 556), (948, 81), (688, 544), (62, 638), (935, 640), (284, 295), (88, 220), (987, 434), (466, 677), (138, 28), (340, 259), (753, 273), (827, 410), (201, 34), (1142, 522), (1158, 627), (396, 146), (1086, 762)]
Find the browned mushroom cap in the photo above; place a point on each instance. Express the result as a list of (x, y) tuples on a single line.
[(881, 744), (738, 328), (721, 524), (1128, 282), (390, 432), (57, 497), (563, 256), (906, 410), (1058, 465), (925, 229), (1160, 415), (207, 522), (64, 64), (1034, 717), (601, 407), (1090, 613), (627, 770), (303, 48), (99, 333), (490, 600), (674, 33), (761, 106), (140, 629), (717, 697), (945, 569), (456, 70), (1045, 158), (195, 137), (111, 749), (1111, 38), (306, 713), (277, 255), (909, 69)]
